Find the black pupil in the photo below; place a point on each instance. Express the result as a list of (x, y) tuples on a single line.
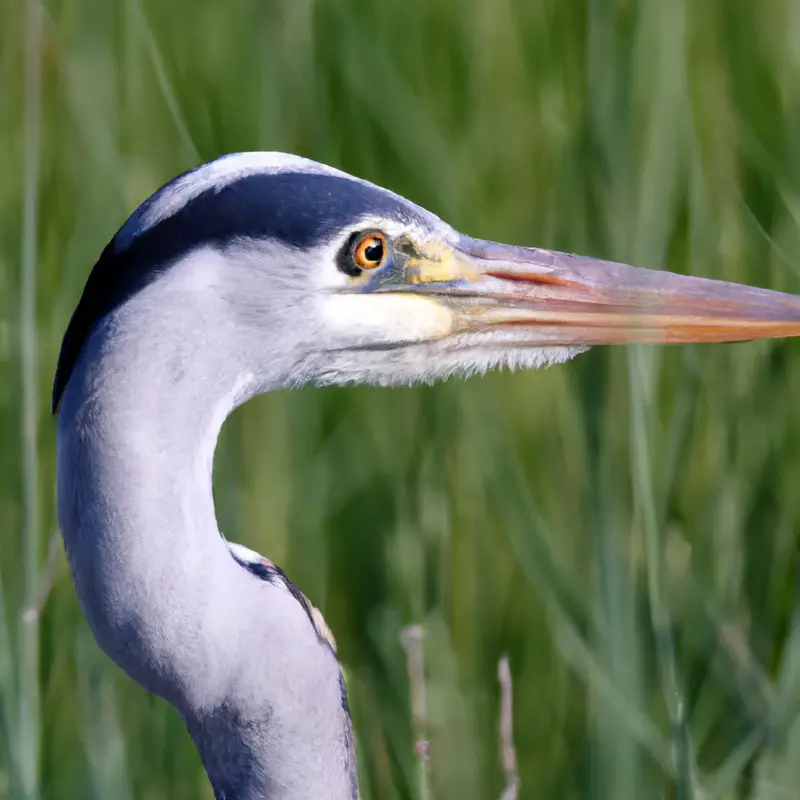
[(374, 252)]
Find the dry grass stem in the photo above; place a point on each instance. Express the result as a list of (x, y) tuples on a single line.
[(508, 753), (412, 639)]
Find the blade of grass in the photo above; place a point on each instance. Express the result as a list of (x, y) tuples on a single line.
[(683, 757), (29, 713), (8, 694), (786, 696), (577, 653), (778, 767), (726, 777), (47, 579), (105, 740), (164, 84)]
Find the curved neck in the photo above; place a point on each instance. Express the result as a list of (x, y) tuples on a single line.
[(260, 691)]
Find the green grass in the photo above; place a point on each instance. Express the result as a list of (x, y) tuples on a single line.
[(625, 527)]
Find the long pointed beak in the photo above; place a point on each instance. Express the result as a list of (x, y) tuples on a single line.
[(556, 298)]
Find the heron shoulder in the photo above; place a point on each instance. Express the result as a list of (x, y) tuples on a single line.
[(266, 570)]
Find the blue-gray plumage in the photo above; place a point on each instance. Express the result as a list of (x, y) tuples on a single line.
[(260, 271)]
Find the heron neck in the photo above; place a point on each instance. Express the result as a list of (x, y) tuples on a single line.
[(135, 451), (238, 657)]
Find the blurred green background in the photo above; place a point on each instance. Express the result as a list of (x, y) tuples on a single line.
[(625, 527)]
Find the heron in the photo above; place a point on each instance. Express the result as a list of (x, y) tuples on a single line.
[(260, 271)]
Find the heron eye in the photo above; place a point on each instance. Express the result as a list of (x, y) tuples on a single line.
[(370, 252)]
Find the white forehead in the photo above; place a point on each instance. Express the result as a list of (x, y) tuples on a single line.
[(215, 175)]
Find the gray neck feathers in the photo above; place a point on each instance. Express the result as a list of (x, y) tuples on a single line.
[(260, 692)]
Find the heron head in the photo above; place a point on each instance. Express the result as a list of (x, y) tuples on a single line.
[(349, 282)]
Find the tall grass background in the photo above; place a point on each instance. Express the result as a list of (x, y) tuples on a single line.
[(625, 527)]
